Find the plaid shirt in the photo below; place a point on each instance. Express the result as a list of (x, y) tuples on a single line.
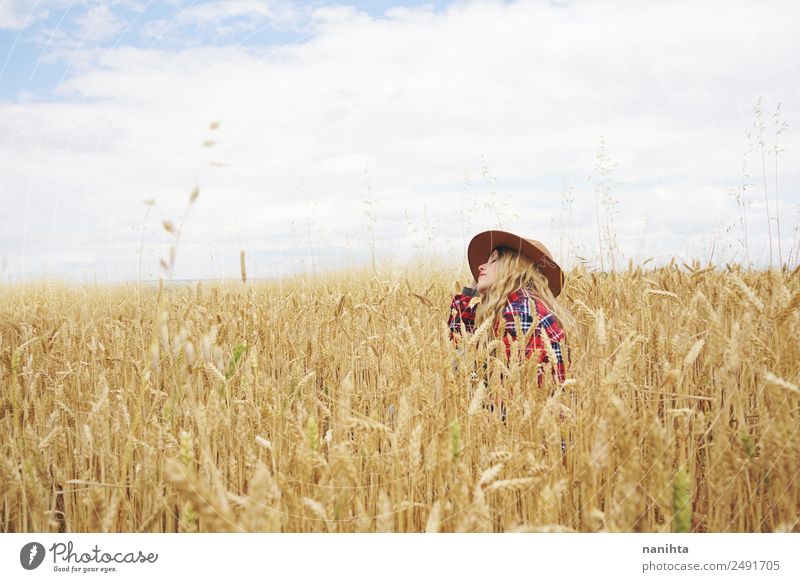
[(462, 310)]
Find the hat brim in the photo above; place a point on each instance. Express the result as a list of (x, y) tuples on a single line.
[(482, 244)]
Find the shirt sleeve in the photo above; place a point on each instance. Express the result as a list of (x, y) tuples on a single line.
[(548, 328), (461, 312)]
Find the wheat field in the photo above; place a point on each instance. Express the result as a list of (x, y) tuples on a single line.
[(337, 404)]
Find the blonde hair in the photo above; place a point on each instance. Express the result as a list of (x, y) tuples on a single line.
[(515, 271)]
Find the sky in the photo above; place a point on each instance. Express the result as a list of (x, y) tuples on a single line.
[(328, 135)]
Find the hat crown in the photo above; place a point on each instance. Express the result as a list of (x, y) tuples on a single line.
[(541, 246)]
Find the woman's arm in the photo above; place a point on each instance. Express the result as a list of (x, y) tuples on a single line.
[(462, 310)]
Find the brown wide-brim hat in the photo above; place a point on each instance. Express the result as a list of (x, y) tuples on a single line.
[(482, 245)]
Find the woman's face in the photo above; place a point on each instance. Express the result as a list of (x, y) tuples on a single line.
[(486, 272)]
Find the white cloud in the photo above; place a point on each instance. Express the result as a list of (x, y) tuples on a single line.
[(210, 12), (428, 113), (10, 18), (198, 24), (97, 24), (18, 14)]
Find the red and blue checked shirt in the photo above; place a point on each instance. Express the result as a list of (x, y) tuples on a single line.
[(519, 306)]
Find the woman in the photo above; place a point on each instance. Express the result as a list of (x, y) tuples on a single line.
[(516, 278)]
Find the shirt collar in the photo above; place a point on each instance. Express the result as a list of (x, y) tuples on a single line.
[(520, 294)]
